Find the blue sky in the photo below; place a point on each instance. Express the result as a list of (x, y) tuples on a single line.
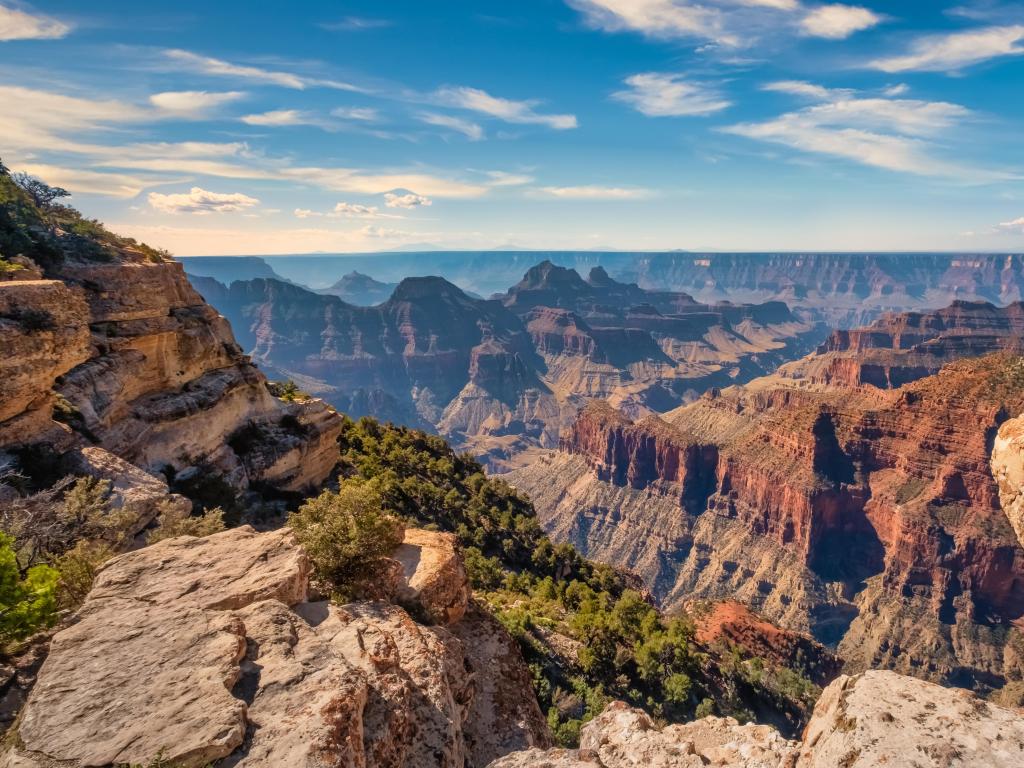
[(231, 128)]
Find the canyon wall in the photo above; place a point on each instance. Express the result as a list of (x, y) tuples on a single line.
[(870, 518), (499, 376), (122, 355)]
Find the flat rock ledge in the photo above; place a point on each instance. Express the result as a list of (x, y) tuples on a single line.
[(877, 719), (206, 651)]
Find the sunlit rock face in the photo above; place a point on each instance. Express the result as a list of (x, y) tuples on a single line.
[(879, 520), (138, 364), (203, 650)]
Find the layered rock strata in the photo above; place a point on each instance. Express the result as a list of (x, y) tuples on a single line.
[(129, 356), (869, 518), (207, 650)]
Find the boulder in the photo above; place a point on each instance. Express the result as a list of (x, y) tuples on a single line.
[(1008, 469), (435, 581), (624, 737), (501, 718), (880, 718)]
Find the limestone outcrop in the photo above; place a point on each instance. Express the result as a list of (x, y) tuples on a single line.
[(128, 358), (206, 650), (873, 720), (1008, 470), (623, 737)]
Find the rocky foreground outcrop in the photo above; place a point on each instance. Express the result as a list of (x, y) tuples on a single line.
[(874, 720), (208, 651), (129, 359)]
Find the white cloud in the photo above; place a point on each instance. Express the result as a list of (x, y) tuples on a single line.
[(369, 114), (89, 182), (592, 192), (355, 24), (837, 22), (505, 179), (207, 65), (897, 90), (280, 117), (21, 25), (667, 95), (192, 103), (952, 52), (202, 202), (1017, 226), (657, 18), (35, 123), (410, 200), (305, 213), (508, 110), (799, 88), (884, 133), (472, 131)]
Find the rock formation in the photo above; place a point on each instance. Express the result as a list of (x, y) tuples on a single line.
[(874, 720), (125, 353), (870, 518), (500, 376), (203, 650), (843, 289), (899, 348)]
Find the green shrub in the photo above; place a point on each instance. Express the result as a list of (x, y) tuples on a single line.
[(77, 569), (28, 601), (173, 522), (346, 534)]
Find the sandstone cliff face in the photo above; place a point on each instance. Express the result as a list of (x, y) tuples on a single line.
[(150, 373), (498, 377), (899, 348), (870, 518), (203, 650), (874, 720)]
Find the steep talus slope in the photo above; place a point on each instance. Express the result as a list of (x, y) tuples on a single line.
[(208, 650), (500, 376), (871, 518), (874, 720)]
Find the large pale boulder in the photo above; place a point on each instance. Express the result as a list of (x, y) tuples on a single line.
[(501, 718), (624, 737), (434, 575), (1008, 469), (206, 650), (880, 719)]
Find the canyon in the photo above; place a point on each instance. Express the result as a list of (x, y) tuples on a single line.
[(844, 290), (499, 376), (868, 516)]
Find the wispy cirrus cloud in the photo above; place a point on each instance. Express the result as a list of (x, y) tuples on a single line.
[(356, 24), (193, 103), (594, 192), (280, 118), (207, 65), (508, 110), (670, 95), (16, 24), (955, 51), (891, 133), (201, 202), (728, 23), (472, 131), (1016, 226)]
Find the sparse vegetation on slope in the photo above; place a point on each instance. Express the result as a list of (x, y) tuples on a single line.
[(585, 629)]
